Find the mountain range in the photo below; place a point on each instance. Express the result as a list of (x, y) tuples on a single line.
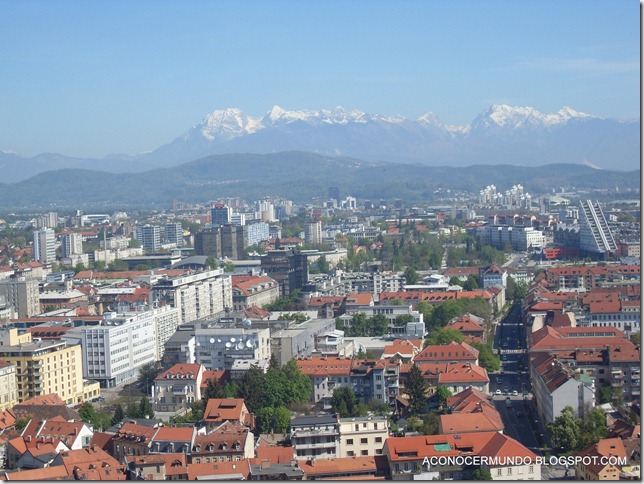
[(299, 176), (502, 134)]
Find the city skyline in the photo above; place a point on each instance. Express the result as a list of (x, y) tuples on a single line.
[(92, 79)]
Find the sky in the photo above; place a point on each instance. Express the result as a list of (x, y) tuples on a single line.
[(92, 78)]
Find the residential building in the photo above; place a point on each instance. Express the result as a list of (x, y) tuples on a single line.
[(174, 233), (556, 386), (230, 441), (451, 353), (362, 436), (22, 295), (71, 244), (345, 468), (176, 388), (313, 232), (595, 237), (200, 295), (315, 436), (44, 367), (75, 435), (220, 410), (8, 385), (517, 237), (133, 439), (493, 275), (149, 236), (410, 458), (180, 348), (168, 440), (45, 246), (253, 291)]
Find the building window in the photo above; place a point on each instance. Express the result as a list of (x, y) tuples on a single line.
[(499, 472), (378, 440), (531, 470), (509, 471), (364, 441), (349, 441)]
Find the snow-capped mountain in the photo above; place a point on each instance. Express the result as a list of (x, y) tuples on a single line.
[(501, 134)]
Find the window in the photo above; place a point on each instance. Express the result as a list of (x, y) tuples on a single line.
[(351, 453), (364, 441), (378, 440), (499, 472), (509, 471), (531, 470), (349, 441), (364, 452)]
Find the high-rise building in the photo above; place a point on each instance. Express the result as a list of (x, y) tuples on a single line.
[(595, 237), (208, 242), (48, 220), (149, 236), (313, 232), (288, 268), (220, 215), (174, 233), (256, 232), (45, 246), (72, 244), (22, 295)]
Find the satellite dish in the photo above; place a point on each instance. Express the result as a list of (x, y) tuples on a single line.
[(198, 344), (247, 322), (212, 340), (228, 345), (218, 340), (240, 346), (232, 340), (249, 344)]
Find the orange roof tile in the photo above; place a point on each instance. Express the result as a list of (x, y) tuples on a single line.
[(218, 470)]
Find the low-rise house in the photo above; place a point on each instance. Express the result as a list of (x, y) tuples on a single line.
[(416, 457), (220, 410), (30, 453), (158, 467), (219, 471), (404, 350), (345, 468), (91, 463), (470, 325), (75, 435), (132, 439), (470, 411), (171, 440), (455, 376), (177, 387), (253, 291), (599, 467), (231, 441), (451, 353)]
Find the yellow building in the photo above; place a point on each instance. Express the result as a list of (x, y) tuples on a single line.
[(44, 366), (8, 386)]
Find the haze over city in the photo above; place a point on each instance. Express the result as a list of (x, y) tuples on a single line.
[(91, 79)]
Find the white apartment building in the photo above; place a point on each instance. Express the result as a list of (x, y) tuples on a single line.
[(218, 348), (313, 232), (72, 244), (45, 246), (201, 295), (362, 436), (166, 321)]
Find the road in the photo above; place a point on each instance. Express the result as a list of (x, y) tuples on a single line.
[(519, 417)]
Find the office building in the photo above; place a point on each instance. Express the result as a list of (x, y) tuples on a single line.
[(220, 215), (22, 295)]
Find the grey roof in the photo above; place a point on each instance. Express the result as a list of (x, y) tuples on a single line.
[(313, 420), (199, 260), (288, 470)]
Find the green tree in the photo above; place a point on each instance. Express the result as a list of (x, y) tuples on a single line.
[(118, 265), (481, 475), (345, 402), (145, 408), (471, 284), (416, 389), (211, 262), (119, 414), (430, 423), (378, 407), (133, 244), (147, 374), (593, 428), (270, 419), (425, 309), (252, 388), (443, 393), (565, 431), (410, 275), (443, 336), (487, 358), (213, 390)]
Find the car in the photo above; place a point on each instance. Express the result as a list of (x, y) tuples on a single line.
[(498, 392), (515, 393)]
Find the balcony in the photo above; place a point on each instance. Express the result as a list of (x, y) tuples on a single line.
[(320, 445), (315, 433), (179, 390)]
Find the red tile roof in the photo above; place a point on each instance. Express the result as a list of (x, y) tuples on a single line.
[(219, 470), (451, 352), (182, 370), (222, 409)]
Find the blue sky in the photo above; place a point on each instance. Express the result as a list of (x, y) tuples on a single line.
[(89, 78)]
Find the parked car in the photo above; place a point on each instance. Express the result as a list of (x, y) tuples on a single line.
[(498, 392)]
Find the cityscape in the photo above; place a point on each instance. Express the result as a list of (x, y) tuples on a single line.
[(319, 241)]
